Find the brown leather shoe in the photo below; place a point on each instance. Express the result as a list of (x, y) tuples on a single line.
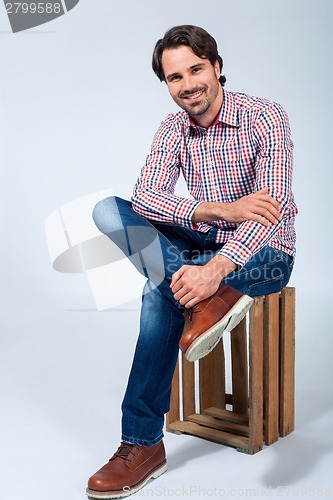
[(210, 318), (127, 471)]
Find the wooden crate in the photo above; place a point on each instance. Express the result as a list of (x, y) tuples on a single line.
[(260, 408)]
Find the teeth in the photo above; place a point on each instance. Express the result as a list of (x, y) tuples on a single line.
[(194, 96)]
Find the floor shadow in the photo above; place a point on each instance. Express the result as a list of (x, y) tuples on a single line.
[(297, 455), (311, 405), (191, 450), (296, 461)]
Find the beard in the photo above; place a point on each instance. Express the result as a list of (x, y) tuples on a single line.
[(200, 105)]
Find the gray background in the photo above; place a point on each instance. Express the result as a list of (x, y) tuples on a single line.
[(79, 105)]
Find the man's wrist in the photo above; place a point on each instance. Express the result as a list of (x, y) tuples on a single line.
[(221, 266), (208, 211)]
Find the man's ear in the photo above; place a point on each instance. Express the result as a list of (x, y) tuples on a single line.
[(217, 69)]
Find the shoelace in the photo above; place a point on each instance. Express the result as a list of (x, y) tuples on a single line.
[(190, 311), (124, 450)]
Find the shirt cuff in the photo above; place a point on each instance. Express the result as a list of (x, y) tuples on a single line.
[(184, 211), (237, 252)]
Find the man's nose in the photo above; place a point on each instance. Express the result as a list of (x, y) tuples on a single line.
[(187, 83)]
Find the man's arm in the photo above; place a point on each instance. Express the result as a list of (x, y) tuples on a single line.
[(259, 207), (259, 215), (274, 168)]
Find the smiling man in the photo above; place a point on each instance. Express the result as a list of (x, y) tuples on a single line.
[(206, 254), (194, 85)]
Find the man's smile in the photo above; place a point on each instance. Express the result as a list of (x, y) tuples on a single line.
[(192, 95)]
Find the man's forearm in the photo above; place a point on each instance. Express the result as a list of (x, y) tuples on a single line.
[(208, 211), (258, 207), (220, 266)]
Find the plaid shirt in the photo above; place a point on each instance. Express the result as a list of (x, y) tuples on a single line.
[(246, 149)]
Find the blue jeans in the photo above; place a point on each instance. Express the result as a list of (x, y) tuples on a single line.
[(157, 250)]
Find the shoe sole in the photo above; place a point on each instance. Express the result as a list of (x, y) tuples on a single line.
[(127, 490), (208, 340)]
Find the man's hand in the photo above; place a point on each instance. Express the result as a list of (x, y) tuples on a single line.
[(259, 207), (192, 284)]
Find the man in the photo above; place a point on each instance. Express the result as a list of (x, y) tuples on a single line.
[(207, 254)]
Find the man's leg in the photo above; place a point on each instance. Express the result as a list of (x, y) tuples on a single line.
[(268, 271), (148, 391), (147, 396), (157, 251), (157, 254), (141, 455)]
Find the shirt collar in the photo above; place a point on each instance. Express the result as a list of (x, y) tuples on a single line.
[(228, 113)]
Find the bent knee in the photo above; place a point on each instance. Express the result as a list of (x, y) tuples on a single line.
[(106, 215)]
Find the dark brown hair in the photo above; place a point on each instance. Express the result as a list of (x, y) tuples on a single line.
[(200, 41)]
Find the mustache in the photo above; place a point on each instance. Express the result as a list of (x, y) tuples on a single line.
[(187, 93)]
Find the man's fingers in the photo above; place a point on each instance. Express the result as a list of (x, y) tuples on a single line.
[(180, 293), (176, 276), (271, 214), (191, 303), (264, 221), (184, 296), (262, 191), (268, 208), (266, 198)]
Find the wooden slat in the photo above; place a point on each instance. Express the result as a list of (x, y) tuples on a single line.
[(287, 361), (206, 381), (271, 368), (222, 425), (218, 376), (212, 378), (226, 438), (238, 344), (174, 411), (256, 376), (230, 416), (188, 387)]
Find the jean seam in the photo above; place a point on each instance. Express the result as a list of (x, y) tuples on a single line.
[(266, 282), (142, 442), (247, 272)]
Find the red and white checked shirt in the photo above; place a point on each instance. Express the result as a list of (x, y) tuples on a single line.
[(248, 148)]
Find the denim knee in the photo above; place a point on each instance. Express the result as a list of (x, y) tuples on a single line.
[(106, 215), (266, 272)]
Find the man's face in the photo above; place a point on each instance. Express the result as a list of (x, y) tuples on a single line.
[(193, 83)]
